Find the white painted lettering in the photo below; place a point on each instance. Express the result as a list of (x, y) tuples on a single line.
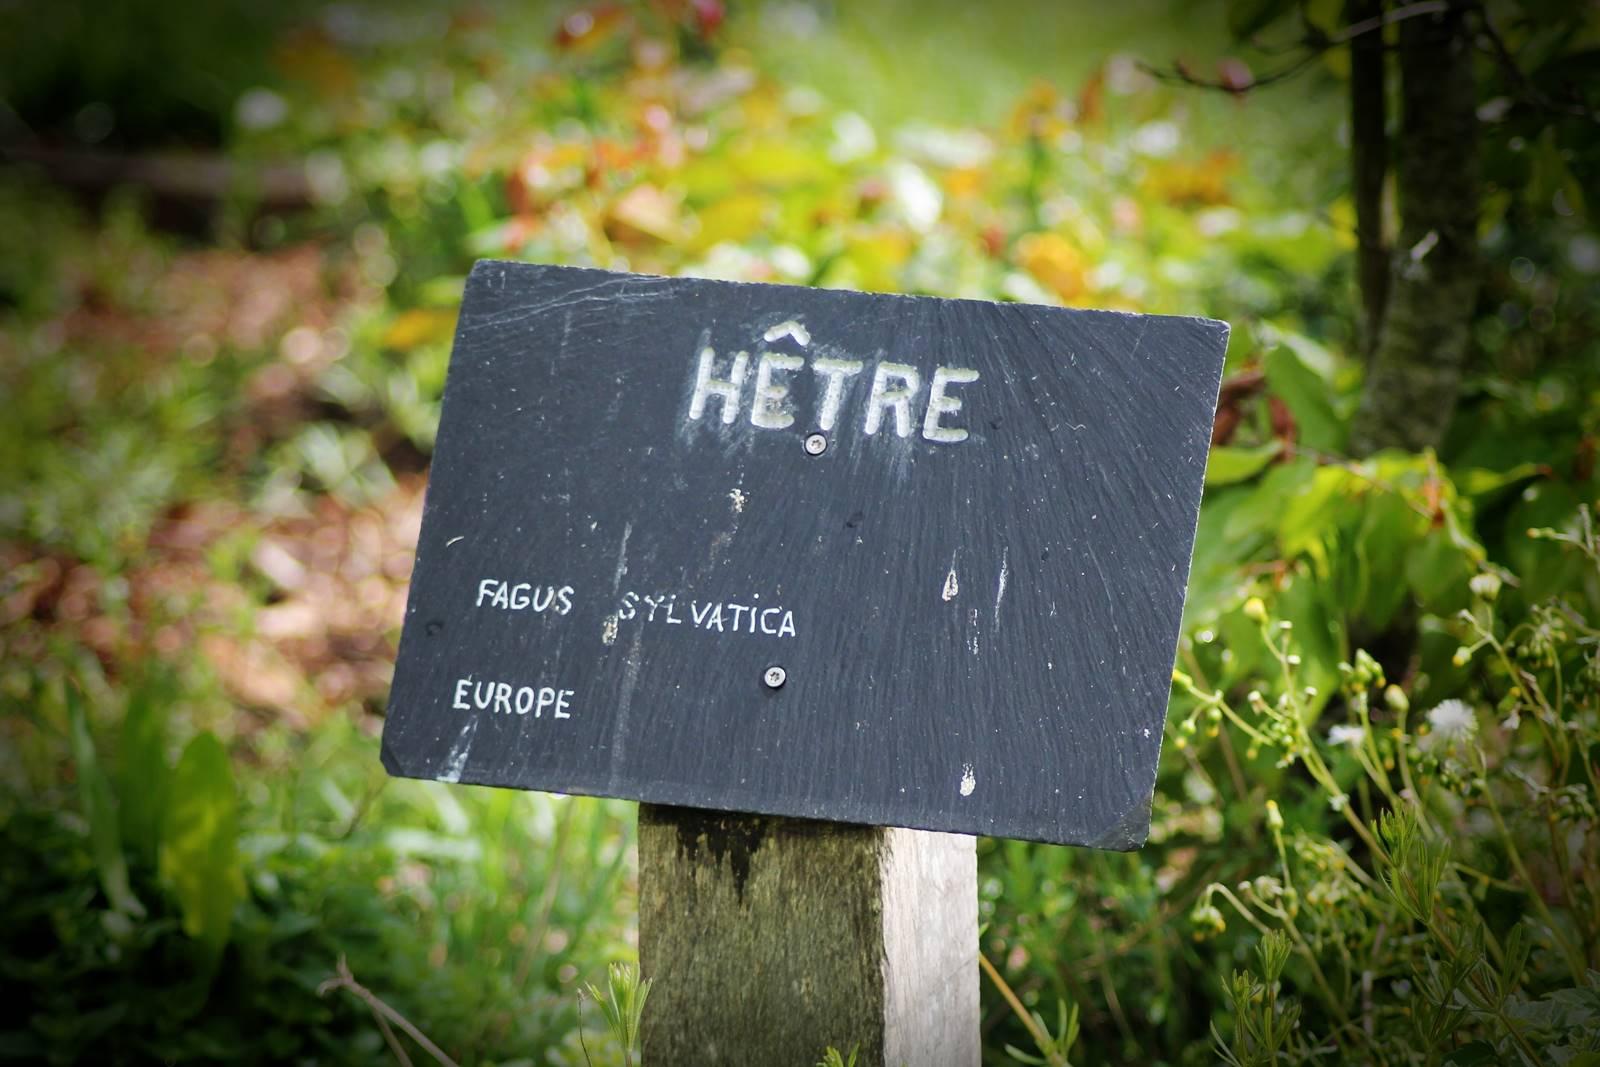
[(564, 599), (524, 706), (768, 409), (835, 371), (898, 398), (787, 626), (939, 404), (460, 701), (502, 697), (727, 390), (628, 609), (519, 595), (561, 702), (767, 628), (549, 592), (485, 588)]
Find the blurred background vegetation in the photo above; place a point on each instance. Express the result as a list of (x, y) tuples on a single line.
[(232, 241)]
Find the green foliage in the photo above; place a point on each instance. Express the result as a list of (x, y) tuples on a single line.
[(199, 843), (94, 793), (622, 1005), (831, 1057)]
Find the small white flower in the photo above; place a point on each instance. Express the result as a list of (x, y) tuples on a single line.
[(1344, 734), (1452, 720), (260, 109)]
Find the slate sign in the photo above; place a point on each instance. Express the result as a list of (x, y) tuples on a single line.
[(874, 559)]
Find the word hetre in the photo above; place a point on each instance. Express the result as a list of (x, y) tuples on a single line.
[(895, 388)]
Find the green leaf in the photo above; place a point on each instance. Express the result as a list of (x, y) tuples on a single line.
[(199, 843), (1307, 518), (1306, 394), (1479, 482), (100, 809), (143, 772), (1228, 464)]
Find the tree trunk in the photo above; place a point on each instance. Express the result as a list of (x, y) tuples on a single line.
[(1415, 371), (1369, 165)]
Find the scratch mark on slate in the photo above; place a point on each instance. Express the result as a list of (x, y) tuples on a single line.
[(622, 559), (1000, 592), (456, 761), (619, 734)]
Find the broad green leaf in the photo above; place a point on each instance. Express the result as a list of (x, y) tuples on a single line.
[(1545, 567), (199, 843), (1228, 464), (100, 810), (1261, 512), (143, 772), (1306, 519), (1317, 637), (1307, 396), (1480, 482), (1388, 531)]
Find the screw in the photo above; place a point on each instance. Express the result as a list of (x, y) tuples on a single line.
[(816, 444), (775, 677)]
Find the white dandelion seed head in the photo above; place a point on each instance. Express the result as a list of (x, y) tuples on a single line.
[(1345, 734), (1453, 719)]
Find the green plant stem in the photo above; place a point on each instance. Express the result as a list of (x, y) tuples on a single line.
[(1574, 964), (1040, 1038)]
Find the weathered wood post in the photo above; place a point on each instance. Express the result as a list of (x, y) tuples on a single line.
[(797, 569), (769, 939)]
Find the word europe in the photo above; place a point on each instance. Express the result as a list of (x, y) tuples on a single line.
[(507, 699), (895, 390)]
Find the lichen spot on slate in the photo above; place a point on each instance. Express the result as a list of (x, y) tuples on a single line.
[(969, 781)]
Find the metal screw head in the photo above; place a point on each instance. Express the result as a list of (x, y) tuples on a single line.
[(816, 444), (775, 677)]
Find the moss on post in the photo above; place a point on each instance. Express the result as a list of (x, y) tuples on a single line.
[(770, 939)]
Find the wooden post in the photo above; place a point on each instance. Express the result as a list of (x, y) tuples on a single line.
[(769, 939)]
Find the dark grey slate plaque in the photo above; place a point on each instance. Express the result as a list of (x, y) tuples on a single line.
[(973, 591)]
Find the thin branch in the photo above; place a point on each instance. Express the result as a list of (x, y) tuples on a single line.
[(393, 1041), (1315, 44), (343, 979), (1179, 75), (1389, 18), (1524, 86)]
